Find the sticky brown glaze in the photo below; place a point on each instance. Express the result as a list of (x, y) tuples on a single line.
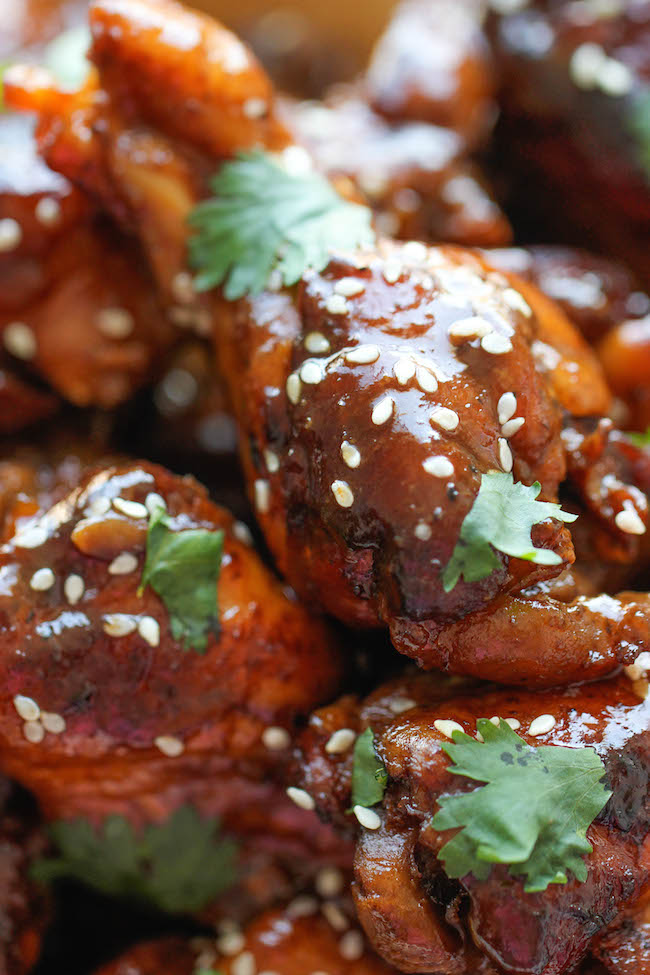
[(412, 914), (625, 950), (625, 354)]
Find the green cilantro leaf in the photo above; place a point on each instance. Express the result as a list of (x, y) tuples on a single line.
[(639, 126), (263, 218), (178, 866), (639, 439), (369, 775), (183, 568), (533, 814), (502, 517), (67, 57)]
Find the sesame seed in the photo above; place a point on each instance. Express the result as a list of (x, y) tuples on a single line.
[(343, 493), (115, 323), (149, 630), (27, 708), (615, 78), (329, 882), (20, 341), (363, 355), (585, 65), (513, 723), (262, 491), (296, 161), (244, 964), (123, 564), (505, 454), (517, 302), (48, 211), (447, 728), (183, 288), (315, 342), (275, 281), (495, 720), (255, 108), (301, 798), (426, 380), (74, 588), (340, 741), (469, 328), (633, 672), (496, 344), (302, 906), (154, 501), (42, 580), (336, 305), (414, 252), (350, 454), (438, 466), (422, 531), (52, 722), (541, 725), (231, 943), (242, 533), (118, 624), (510, 428), (311, 372), (31, 537), (444, 418), (399, 705), (348, 287), (383, 410), (97, 506), (392, 272), (132, 509), (11, 234), (351, 946), (33, 732), (334, 917), (367, 818), (506, 407), (272, 461), (403, 370), (276, 739), (629, 521), (293, 388), (169, 745)]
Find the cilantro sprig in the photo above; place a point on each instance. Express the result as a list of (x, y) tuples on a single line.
[(502, 517), (369, 775), (532, 815), (183, 568), (639, 439), (178, 866), (263, 218)]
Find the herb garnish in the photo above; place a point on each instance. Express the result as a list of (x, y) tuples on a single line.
[(533, 814), (178, 866), (639, 439), (264, 218), (639, 125), (369, 775), (502, 517), (183, 568)]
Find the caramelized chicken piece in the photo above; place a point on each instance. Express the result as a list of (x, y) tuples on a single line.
[(626, 949), (416, 917)]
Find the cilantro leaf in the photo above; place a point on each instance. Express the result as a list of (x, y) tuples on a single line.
[(263, 218), (533, 814), (502, 517), (177, 866), (183, 568), (369, 775), (639, 439)]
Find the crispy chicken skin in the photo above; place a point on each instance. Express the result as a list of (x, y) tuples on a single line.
[(414, 916)]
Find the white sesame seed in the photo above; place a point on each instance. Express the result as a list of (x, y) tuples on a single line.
[(444, 418), (20, 341), (242, 533), (42, 580), (132, 509), (422, 531), (541, 725), (149, 630), (506, 407), (383, 410), (31, 537), (255, 108), (343, 493), (272, 461), (585, 65), (53, 722), (505, 454), (169, 745), (414, 252), (392, 272), (296, 160), (48, 211), (329, 882), (154, 501), (633, 672), (302, 906), (426, 380), (276, 739), (352, 946), (495, 720), (301, 798), (350, 454), (293, 388), (615, 78), (363, 355), (244, 964), (74, 588), (315, 342), (469, 328), (403, 370), (348, 287), (231, 944), (275, 280), (399, 705), (336, 305), (510, 428), (334, 917), (367, 818), (123, 564), (33, 732), (517, 302), (340, 741), (447, 728), (496, 344), (27, 708), (183, 288), (513, 723), (115, 323), (11, 234), (118, 624), (97, 506), (311, 372), (438, 466), (262, 490), (629, 521)]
